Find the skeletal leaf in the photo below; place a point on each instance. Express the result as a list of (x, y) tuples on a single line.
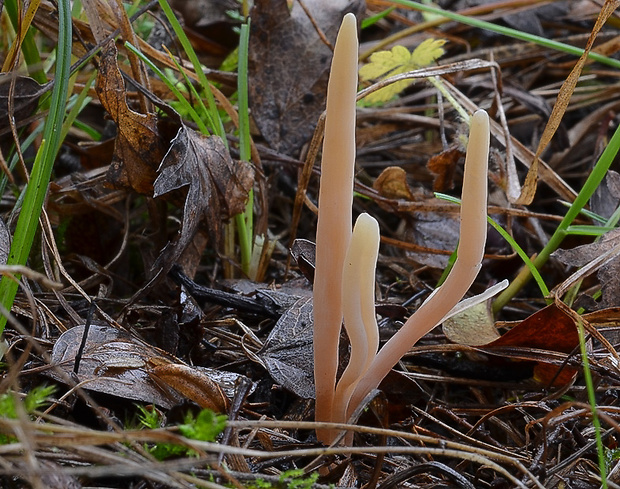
[(217, 186), (384, 64)]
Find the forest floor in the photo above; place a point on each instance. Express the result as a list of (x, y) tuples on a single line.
[(159, 261)]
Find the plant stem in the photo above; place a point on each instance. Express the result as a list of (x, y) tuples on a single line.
[(593, 181), (36, 189), (587, 375), (244, 221), (507, 31)]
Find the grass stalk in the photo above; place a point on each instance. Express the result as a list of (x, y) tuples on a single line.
[(213, 115), (244, 221), (592, 182), (36, 190), (507, 31), (529, 265), (28, 47), (587, 375), (172, 86)]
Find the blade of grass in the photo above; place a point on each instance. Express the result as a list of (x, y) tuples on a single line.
[(244, 221), (171, 84), (587, 375), (41, 171), (28, 46), (507, 31), (514, 245), (592, 182), (81, 102), (192, 90), (214, 116)]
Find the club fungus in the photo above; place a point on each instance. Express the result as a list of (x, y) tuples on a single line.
[(345, 261), (334, 223)]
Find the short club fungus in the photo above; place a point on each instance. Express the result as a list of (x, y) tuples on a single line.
[(345, 261)]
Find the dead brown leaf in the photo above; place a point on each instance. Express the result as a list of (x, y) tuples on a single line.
[(218, 187), (113, 362), (139, 148), (26, 96), (287, 353), (549, 329), (392, 184), (287, 96), (443, 166), (608, 272)]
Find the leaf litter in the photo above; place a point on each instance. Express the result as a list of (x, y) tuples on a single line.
[(495, 398)]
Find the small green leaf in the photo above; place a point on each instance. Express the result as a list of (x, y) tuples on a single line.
[(427, 52), (399, 60)]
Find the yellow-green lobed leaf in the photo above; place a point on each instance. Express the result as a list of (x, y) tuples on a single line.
[(398, 60)]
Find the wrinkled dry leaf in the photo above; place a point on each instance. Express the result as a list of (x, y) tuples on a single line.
[(474, 326), (287, 354), (193, 384), (218, 187), (392, 184), (25, 97), (435, 231), (443, 166), (112, 363), (115, 363), (139, 147), (288, 96), (608, 272)]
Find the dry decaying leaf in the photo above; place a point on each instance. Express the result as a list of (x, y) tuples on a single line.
[(288, 65), (287, 353), (139, 148), (548, 329), (392, 184), (25, 97), (443, 165), (608, 274), (218, 187), (114, 363)]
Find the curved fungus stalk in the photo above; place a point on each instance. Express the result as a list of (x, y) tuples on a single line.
[(358, 304), (345, 261), (470, 251)]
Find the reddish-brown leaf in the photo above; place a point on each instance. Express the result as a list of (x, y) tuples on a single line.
[(549, 329), (138, 148), (443, 166)]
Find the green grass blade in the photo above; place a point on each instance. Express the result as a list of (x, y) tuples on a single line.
[(41, 171), (29, 47), (80, 103), (544, 290), (587, 375), (171, 84), (216, 121), (507, 31), (244, 221), (591, 184)]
